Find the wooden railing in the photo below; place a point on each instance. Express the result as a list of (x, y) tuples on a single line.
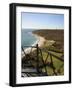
[(49, 54)]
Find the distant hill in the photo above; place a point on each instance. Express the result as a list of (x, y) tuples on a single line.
[(52, 34)]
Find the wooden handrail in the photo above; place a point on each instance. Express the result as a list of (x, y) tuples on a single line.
[(61, 59), (56, 51)]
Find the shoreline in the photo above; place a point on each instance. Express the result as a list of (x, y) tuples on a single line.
[(40, 41)]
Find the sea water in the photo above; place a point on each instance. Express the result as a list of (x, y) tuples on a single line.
[(28, 38)]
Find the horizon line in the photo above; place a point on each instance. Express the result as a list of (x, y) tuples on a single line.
[(43, 28)]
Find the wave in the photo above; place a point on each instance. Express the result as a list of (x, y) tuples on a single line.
[(29, 48)]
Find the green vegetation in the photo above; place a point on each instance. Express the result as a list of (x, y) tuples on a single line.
[(55, 35), (54, 45), (58, 65)]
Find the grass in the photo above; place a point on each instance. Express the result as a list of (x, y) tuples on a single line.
[(52, 34), (59, 65), (57, 46)]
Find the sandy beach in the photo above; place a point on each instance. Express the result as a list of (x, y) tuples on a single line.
[(41, 40)]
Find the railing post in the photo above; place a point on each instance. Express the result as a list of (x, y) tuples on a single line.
[(37, 58), (51, 58), (52, 65)]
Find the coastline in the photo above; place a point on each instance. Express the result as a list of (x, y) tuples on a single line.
[(40, 41)]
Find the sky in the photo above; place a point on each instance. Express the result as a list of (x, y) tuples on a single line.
[(42, 21)]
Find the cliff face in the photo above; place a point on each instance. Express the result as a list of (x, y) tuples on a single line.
[(56, 35)]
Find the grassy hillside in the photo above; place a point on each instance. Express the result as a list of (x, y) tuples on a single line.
[(47, 64), (53, 34)]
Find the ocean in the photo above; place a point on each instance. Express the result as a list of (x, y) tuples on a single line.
[(28, 38)]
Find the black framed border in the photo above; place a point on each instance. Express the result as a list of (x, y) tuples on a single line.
[(13, 10)]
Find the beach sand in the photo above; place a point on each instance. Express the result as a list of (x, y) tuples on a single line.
[(41, 40)]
